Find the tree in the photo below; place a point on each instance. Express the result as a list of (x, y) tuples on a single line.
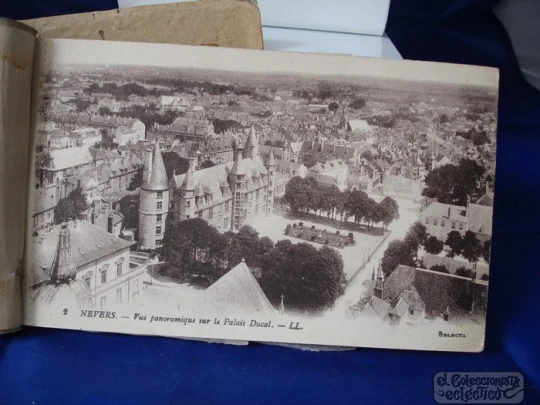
[(309, 160), (333, 106), (440, 268), (309, 279), (416, 236), (357, 204), (194, 251), (374, 212), (70, 207), (357, 104), (207, 163), (433, 245), (221, 126), (129, 208), (390, 210), (464, 272), (324, 91), (454, 241), (472, 248), (137, 180), (397, 253), (453, 184)]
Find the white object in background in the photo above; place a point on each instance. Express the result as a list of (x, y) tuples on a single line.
[(286, 39), (319, 26), (351, 16)]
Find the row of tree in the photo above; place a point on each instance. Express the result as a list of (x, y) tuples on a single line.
[(468, 246), (305, 195), (311, 279), (405, 252)]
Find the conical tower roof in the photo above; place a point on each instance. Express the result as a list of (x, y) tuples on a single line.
[(189, 181), (158, 177), (252, 145), (252, 138), (271, 161)]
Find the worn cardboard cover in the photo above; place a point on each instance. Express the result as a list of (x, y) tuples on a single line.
[(227, 23)]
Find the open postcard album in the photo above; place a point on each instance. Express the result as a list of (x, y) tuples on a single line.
[(212, 193)]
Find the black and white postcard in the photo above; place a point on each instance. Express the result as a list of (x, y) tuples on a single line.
[(245, 195)]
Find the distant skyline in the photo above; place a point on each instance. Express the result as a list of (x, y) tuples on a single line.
[(63, 52)]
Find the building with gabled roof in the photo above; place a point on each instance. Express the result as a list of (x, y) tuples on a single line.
[(238, 292)]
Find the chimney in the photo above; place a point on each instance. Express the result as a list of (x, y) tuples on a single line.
[(93, 217), (110, 223)]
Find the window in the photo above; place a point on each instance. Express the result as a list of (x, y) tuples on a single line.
[(411, 311), (188, 203), (158, 230), (159, 243), (160, 194), (103, 276), (159, 205), (427, 221), (453, 225), (461, 226), (119, 267), (442, 222), (103, 301), (119, 295), (86, 280), (434, 221), (159, 218)]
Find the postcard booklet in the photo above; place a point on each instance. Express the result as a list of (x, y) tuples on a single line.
[(213, 193)]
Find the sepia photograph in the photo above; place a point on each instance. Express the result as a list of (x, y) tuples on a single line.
[(278, 197)]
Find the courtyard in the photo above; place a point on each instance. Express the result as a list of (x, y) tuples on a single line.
[(353, 255)]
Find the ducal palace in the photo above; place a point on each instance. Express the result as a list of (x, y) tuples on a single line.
[(226, 195)]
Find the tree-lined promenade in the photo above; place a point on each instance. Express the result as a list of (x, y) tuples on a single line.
[(307, 195)]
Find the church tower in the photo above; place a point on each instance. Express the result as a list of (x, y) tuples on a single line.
[(154, 203)]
